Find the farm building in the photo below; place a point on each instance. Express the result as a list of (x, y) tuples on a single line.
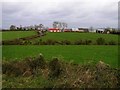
[(100, 30), (92, 31), (80, 30), (83, 29), (54, 30), (67, 30), (75, 30)]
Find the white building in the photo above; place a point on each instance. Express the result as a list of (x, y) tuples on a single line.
[(75, 29), (100, 30)]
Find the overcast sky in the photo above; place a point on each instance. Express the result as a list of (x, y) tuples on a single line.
[(76, 13)]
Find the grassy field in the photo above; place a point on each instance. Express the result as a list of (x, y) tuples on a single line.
[(8, 35), (72, 36), (79, 54)]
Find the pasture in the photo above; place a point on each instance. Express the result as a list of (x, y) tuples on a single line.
[(74, 53), (9, 35), (73, 36), (70, 57)]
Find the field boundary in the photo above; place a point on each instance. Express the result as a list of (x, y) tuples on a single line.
[(19, 40)]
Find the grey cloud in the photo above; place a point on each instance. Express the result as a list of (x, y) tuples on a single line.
[(76, 14)]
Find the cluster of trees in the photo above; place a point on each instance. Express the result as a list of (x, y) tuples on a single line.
[(59, 25), (35, 27)]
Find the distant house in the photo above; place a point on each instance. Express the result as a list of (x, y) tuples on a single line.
[(75, 30), (54, 30), (67, 30), (107, 31), (83, 29), (80, 30), (92, 31)]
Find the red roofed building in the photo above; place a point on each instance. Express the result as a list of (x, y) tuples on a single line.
[(54, 30)]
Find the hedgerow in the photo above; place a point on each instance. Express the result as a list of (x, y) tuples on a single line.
[(59, 74)]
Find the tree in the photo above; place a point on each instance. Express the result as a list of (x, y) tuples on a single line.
[(59, 25), (12, 27)]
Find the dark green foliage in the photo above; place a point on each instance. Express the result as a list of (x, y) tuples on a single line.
[(100, 41), (50, 42), (83, 42), (66, 42), (37, 62), (63, 86), (112, 43), (55, 68), (39, 42), (78, 42), (87, 42), (118, 77), (20, 41), (10, 69), (27, 42), (12, 42), (59, 74)]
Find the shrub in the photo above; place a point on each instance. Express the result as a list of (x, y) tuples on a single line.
[(65, 42), (27, 42), (100, 41), (50, 42), (86, 42), (38, 42), (10, 69), (63, 85), (112, 43), (55, 68), (58, 43), (37, 62), (78, 42)]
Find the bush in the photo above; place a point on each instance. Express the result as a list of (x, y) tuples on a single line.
[(10, 69), (38, 42), (12, 42), (78, 42), (87, 42), (55, 68), (100, 41), (65, 42), (37, 62), (27, 42), (112, 43), (50, 42), (64, 85)]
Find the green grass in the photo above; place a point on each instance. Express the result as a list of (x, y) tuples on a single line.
[(72, 36), (8, 35), (79, 54), (0, 36)]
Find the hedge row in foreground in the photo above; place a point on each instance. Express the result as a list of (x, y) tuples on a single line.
[(39, 73)]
